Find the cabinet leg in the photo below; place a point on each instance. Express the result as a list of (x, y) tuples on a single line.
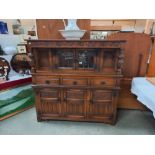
[(39, 119), (114, 120)]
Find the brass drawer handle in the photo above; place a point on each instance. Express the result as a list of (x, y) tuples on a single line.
[(58, 99), (65, 99), (74, 82), (47, 82)]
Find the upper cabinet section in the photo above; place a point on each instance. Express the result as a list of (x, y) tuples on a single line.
[(77, 59), (60, 56)]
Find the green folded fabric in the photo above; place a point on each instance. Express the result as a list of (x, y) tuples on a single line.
[(26, 92), (21, 104)]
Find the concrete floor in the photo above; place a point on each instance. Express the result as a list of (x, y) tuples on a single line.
[(129, 122)]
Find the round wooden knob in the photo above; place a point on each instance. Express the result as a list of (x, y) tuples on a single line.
[(103, 83), (75, 83)]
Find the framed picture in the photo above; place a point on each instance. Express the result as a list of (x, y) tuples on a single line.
[(21, 48), (17, 27), (3, 28)]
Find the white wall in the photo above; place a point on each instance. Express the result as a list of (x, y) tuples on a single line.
[(27, 25), (126, 25)]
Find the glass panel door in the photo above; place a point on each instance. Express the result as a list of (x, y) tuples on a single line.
[(86, 59), (64, 58), (76, 59)]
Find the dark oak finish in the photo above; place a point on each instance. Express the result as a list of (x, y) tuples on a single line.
[(76, 80)]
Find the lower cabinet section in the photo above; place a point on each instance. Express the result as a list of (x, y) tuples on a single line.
[(98, 105)]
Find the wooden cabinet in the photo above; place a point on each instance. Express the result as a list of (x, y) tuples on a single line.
[(76, 80)]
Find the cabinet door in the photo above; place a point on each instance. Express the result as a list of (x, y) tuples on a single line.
[(74, 101), (49, 101), (101, 104), (64, 58), (86, 59)]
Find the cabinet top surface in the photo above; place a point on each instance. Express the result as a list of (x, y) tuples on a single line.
[(76, 43), (63, 40)]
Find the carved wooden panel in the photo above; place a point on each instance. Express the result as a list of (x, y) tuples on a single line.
[(101, 104), (75, 103), (113, 44), (50, 101)]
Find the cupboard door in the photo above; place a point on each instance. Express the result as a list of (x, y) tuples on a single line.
[(50, 101), (86, 59), (64, 59), (101, 104), (75, 106)]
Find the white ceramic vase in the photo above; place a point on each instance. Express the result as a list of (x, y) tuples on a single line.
[(72, 31)]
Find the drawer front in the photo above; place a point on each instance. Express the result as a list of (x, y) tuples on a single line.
[(103, 82), (47, 80), (75, 81)]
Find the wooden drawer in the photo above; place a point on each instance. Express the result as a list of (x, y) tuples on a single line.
[(75, 81), (103, 82), (47, 80)]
